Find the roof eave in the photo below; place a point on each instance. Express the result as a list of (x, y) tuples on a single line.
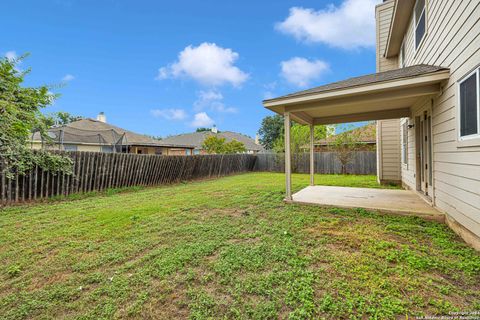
[(400, 20)]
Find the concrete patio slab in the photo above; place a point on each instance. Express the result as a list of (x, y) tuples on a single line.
[(401, 202)]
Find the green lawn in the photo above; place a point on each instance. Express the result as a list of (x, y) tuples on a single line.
[(228, 248)]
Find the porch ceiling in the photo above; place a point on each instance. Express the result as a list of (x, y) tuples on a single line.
[(378, 96)]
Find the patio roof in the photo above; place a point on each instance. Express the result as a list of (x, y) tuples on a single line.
[(377, 96)]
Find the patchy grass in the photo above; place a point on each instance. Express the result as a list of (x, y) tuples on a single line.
[(228, 248)]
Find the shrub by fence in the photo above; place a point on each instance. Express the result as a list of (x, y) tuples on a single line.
[(94, 171), (363, 162)]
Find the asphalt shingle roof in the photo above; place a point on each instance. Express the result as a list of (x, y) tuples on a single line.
[(196, 139), (407, 72), (364, 134), (94, 131)]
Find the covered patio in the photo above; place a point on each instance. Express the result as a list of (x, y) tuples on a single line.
[(401, 202), (378, 96)]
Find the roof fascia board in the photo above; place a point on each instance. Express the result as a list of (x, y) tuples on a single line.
[(379, 96), (367, 88)]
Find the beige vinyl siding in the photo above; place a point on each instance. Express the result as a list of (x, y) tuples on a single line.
[(452, 40), (388, 149), (80, 147), (90, 148), (388, 138), (384, 14)]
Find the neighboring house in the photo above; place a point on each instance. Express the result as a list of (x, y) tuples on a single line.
[(99, 136), (196, 139), (426, 98), (365, 136)]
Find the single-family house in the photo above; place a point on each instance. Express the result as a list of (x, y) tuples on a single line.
[(196, 139), (425, 97), (99, 136), (365, 138)]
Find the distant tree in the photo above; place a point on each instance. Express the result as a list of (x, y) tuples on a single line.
[(234, 146), (299, 138), (60, 118), (345, 144), (203, 129), (216, 145), (270, 130), (213, 144), (19, 116)]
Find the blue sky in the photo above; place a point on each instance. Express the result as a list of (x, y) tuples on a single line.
[(165, 67)]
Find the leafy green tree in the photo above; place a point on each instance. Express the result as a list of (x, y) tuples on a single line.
[(270, 130), (217, 145), (19, 116), (213, 144), (234, 146), (299, 138)]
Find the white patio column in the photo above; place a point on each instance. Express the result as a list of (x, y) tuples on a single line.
[(312, 155), (288, 158)]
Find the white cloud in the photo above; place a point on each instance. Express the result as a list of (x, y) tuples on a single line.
[(210, 95), (67, 78), (212, 100), (268, 95), (349, 26), (269, 88), (169, 114), (300, 71), (202, 119), (11, 55), (208, 64)]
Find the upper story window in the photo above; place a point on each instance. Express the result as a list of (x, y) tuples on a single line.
[(469, 98), (402, 56), (420, 22)]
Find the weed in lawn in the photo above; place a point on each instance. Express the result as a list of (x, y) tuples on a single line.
[(13, 270)]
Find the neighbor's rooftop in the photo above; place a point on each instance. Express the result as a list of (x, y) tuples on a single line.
[(90, 131), (196, 139)]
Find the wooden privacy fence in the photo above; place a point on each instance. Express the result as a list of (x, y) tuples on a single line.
[(94, 171), (363, 162)]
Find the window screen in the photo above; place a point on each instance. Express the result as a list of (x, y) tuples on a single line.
[(402, 55), (419, 6), (107, 149), (70, 147), (419, 22), (468, 106)]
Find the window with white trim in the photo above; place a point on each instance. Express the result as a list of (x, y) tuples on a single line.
[(469, 101), (401, 56), (70, 147), (107, 149), (420, 22), (405, 143)]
